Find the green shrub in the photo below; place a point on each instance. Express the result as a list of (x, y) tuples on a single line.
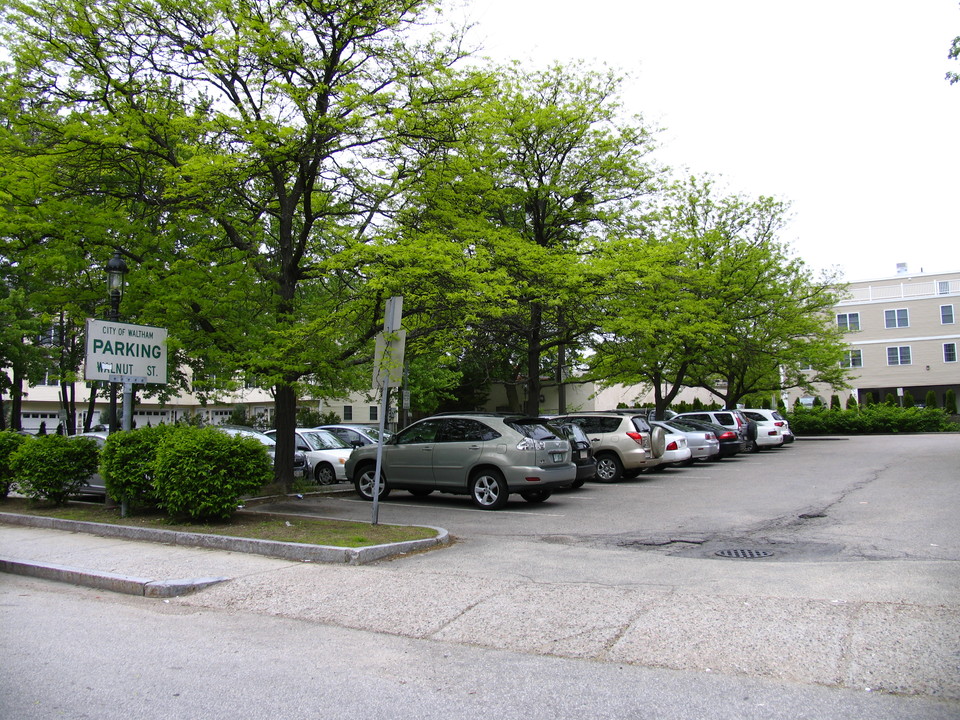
[(881, 418), (834, 402), (950, 402), (127, 464), (908, 400), (851, 402), (53, 467), (868, 399), (9, 442), (931, 400), (202, 473)]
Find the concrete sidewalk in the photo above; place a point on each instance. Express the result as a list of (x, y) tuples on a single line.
[(881, 646)]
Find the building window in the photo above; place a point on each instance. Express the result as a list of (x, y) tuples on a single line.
[(373, 412), (946, 314), (896, 318), (949, 352), (898, 355), (943, 287), (347, 413), (853, 359), (848, 322)]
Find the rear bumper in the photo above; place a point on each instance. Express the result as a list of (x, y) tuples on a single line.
[(518, 477)]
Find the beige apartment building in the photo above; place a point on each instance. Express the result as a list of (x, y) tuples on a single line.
[(902, 334)]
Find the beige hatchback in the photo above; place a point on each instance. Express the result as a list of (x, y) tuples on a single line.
[(623, 442)]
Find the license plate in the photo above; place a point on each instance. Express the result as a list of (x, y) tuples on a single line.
[(557, 457)]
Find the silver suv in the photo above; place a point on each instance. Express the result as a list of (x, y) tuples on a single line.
[(732, 420), (485, 455), (623, 442)]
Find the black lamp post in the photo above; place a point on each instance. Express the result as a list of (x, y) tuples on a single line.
[(116, 271)]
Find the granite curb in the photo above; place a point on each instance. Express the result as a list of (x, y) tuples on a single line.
[(125, 584), (148, 587)]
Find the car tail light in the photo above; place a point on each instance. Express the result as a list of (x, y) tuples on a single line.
[(772, 433), (673, 446), (779, 423), (710, 436), (728, 435), (528, 444), (636, 437)]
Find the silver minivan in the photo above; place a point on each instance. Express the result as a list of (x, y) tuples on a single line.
[(487, 456)]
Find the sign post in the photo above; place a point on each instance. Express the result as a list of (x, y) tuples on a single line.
[(387, 373)]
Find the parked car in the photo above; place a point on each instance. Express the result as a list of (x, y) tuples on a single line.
[(769, 434), (675, 450), (731, 442), (732, 420), (487, 456), (95, 484), (703, 443), (582, 452), (356, 435), (299, 458), (326, 454), (623, 441), (775, 417)]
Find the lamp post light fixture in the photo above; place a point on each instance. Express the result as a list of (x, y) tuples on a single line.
[(116, 273)]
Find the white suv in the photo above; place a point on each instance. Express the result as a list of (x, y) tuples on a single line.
[(767, 418)]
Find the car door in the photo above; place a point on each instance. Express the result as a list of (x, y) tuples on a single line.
[(458, 448), (408, 457)]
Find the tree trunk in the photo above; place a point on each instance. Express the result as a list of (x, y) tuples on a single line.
[(16, 402), (285, 403), (532, 408)]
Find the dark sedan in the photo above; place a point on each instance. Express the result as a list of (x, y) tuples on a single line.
[(730, 442)]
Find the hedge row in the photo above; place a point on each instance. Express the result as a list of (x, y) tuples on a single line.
[(197, 473), (869, 419)]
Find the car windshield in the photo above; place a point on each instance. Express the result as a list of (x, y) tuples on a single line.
[(682, 426), (535, 429), (322, 440), (240, 432)]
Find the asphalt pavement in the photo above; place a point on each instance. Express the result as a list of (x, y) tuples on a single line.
[(760, 621)]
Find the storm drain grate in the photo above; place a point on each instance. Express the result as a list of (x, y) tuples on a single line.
[(739, 553)]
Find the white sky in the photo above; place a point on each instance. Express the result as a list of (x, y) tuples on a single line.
[(838, 106)]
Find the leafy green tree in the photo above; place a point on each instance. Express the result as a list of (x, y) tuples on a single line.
[(954, 54), (709, 296), (546, 168), (261, 140)]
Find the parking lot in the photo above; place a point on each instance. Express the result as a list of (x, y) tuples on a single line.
[(857, 585), (845, 499)]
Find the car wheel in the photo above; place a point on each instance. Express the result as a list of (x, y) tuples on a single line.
[(488, 489), (609, 468), (536, 496), (325, 474), (363, 481), (420, 492)]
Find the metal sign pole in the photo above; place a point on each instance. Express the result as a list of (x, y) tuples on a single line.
[(384, 404), (384, 368)]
